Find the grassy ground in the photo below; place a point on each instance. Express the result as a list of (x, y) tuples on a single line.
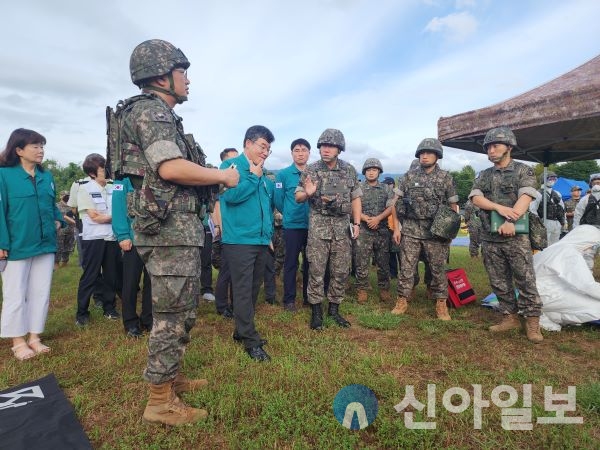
[(287, 403)]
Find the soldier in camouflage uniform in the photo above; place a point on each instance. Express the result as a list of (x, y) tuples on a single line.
[(570, 206), (474, 226), (374, 239), (65, 238), (555, 208), (508, 188), (275, 254), (168, 230), (421, 192), (331, 187)]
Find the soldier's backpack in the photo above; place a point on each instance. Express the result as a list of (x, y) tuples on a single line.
[(122, 159)]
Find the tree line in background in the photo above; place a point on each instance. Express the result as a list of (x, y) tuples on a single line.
[(575, 170)]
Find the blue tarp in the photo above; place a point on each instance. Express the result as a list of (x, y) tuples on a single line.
[(564, 185)]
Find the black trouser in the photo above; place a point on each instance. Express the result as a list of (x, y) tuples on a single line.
[(247, 266), (295, 244), (223, 298), (270, 276), (206, 264), (99, 256), (133, 267)]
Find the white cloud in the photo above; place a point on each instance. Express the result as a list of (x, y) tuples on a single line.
[(455, 27)]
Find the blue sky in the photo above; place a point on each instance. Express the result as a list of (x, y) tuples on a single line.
[(383, 72)]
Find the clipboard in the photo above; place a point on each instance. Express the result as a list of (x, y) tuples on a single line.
[(521, 225)]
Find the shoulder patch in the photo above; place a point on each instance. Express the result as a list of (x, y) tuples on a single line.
[(159, 116), (278, 185)]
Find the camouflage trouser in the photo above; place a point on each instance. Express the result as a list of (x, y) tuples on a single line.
[(175, 278), (505, 261), (279, 246), (65, 243), (373, 243), (474, 239), (319, 252), (436, 253)]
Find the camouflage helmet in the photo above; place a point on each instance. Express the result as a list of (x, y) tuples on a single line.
[(548, 175), (500, 135), (333, 137), (372, 163), (155, 58), (431, 145)]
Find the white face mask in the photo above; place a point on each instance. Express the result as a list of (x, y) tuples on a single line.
[(550, 183), (596, 188)]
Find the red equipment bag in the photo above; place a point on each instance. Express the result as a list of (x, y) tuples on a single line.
[(460, 291)]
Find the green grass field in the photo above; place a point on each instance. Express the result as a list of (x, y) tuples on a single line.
[(287, 403)]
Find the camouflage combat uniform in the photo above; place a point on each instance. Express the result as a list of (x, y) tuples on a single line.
[(375, 200), (508, 257), (65, 237), (278, 243), (474, 225), (328, 235), (570, 206), (168, 233), (419, 196)]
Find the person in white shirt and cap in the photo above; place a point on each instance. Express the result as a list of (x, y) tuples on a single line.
[(587, 210)]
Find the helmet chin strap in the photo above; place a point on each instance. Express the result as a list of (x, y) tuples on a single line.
[(171, 91)]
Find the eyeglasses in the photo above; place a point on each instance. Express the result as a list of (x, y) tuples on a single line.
[(181, 71), (265, 148)]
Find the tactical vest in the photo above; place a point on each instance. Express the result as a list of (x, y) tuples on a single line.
[(554, 210), (374, 198), (153, 197), (506, 193), (422, 197), (334, 187), (591, 215)]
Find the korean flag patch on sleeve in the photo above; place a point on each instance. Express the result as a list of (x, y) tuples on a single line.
[(118, 187), (278, 185)]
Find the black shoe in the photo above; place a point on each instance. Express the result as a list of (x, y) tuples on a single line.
[(335, 315), (316, 317), (236, 337), (82, 322), (290, 307), (258, 354), (145, 328), (134, 332), (227, 313), (112, 315)]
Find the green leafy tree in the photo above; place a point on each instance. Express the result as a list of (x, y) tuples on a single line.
[(464, 182), (63, 176), (577, 170)]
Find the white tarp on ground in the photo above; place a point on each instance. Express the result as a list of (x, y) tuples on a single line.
[(565, 280)]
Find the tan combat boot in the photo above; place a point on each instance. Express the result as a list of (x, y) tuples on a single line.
[(401, 306), (165, 407), (361, 296), (384, 295), (532, 325), (183, 384), (509, 322), (441, 309)]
